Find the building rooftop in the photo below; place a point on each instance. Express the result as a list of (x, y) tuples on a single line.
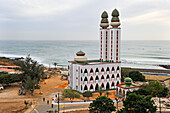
[(91, 62)]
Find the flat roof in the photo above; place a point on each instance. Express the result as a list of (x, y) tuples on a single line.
[(91, 62)]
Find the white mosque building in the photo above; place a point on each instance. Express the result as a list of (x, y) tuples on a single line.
[(104, 72)]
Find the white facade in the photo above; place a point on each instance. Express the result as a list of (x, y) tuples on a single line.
[(110, 44), (83, 77), (106, 72)]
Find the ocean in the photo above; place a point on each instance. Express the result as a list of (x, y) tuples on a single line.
[(135, 54)]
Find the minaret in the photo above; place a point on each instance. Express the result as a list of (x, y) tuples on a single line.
[(104, 37), (115, 32)]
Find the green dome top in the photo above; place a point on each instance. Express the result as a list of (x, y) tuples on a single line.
[(128, 81), (80, 53), (115, 13), (104, 15), (115, 19), (104, 20)]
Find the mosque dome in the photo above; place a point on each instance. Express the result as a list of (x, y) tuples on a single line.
[(104, 22), (128, 81), (115, 12), (80, 57), (115, 22)]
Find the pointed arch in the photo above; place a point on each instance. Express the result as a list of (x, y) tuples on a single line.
[(118, 76), (102, 77), (102, 70), (91, 87), (97, 87), (108, 70), (85, 79), (91, 70), (102, 85), (81, 79), (113, 69), (85, 71), (97, 78), (107, 86), (113, 84), (81, 71), (118, 68), (81, 87), (97, 70), (107, 77), (85, 87), (113, 76), (117, 82), (91, 78)]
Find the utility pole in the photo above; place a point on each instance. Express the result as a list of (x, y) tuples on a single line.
[(58, 103)]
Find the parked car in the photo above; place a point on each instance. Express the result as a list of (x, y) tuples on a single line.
[(1, 87)]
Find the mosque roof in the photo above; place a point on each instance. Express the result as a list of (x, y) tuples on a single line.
[(115, 13), (81, 53)]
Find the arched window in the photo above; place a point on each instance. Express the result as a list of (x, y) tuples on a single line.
[(68, 67), (113, 76), (102, 70), (102, 85), (81, 71), (118, 68), (97, 70), (113, 69), (85, 71), (97, 78), (85, 87), (102, 77), (107, 86), (107, 77), (81, 87), (91, 78), (108, 69), (117, 75), (91, 70), (81, 79), (113, 84), (91, 86), (117, 82), (85, 79)]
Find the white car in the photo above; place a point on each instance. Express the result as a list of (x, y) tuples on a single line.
[(1, 87)]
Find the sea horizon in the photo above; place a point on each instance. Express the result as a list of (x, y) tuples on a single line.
[(134, 53)]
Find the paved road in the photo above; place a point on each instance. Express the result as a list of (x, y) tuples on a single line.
[(43, 107)]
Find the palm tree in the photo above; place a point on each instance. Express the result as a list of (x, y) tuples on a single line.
[(55, 64)]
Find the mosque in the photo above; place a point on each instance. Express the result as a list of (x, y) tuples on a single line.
[(105, 72)]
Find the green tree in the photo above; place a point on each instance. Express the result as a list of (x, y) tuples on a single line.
[(10, 78), (138, 104), (71, 94), (107, 93), (31, 68), (124, 74), (87, 94), (30, 84), (55, 64), (136, 76), (102, 104)]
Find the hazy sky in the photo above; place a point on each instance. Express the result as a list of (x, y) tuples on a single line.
[(80, 19)]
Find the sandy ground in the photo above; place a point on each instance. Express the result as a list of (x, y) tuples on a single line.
[(10, 101)]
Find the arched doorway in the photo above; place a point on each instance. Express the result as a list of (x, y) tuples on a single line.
[(97, 87), (107, 86), (85, 87)]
